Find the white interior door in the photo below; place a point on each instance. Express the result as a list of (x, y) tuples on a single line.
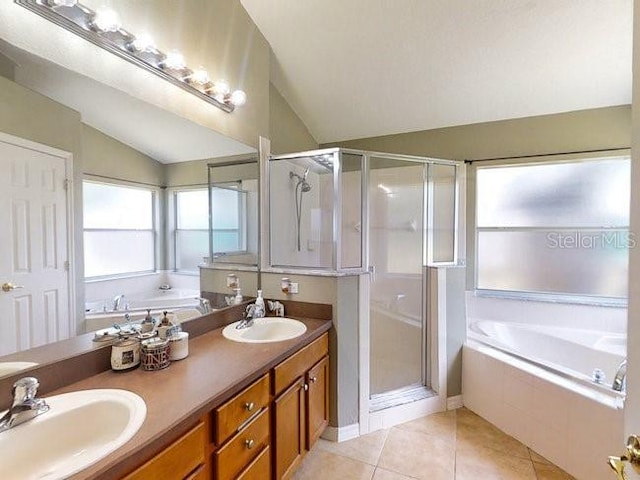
[(34, 254)]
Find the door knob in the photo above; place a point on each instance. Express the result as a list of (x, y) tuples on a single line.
[(630, 455), (8, 286)]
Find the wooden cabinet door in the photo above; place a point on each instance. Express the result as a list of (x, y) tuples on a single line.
[(317, 400), (289, 423)]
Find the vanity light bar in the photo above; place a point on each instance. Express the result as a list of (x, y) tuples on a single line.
[(102, 28)]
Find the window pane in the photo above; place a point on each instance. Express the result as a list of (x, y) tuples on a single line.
[(115, 252), (570, 262), (117, 207), (191, 246), (225, 205), (193, 209), (582, 194)]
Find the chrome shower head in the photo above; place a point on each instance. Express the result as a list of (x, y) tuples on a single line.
[(305, 186)]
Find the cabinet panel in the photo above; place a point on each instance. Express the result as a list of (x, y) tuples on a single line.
[(199, 474), (240, 408), (289, 422), (243, 447), (317, 395), (260, 468), (296, 365), (178, 460)]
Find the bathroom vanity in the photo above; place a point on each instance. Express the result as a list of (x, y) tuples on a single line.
[(229, 410)]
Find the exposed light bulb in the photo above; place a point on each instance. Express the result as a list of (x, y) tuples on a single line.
[(143, 43), (238, 98), (174, 60), (106, 20), (220, 88), (63, 3), (200, 76)]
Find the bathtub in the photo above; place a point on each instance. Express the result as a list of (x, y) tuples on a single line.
[(183, 303), (534, 383), (572, 352)]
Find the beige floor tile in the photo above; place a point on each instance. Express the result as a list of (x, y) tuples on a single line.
[(536, 457), (382, 474), (322, 465), (418, 455), (546, 471), (366, 448), (489, 464), (473, 431), (442, 425)]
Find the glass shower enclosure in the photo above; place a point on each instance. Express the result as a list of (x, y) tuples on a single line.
[(391, 216)]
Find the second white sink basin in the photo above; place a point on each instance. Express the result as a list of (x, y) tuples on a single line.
[(266, 330), (79, 429)]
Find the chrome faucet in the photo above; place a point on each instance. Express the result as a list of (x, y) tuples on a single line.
[(620, 381), (250, 314), (25, 404), (117, 302), (204, 306)]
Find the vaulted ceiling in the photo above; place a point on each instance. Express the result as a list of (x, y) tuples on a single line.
[(361, 68)]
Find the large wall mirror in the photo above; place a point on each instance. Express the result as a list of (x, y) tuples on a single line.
[(140, 218)]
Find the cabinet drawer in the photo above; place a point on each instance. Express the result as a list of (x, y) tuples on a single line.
[(199, 474), (177, 460), (243, 447), (295, 366), (240, 408), (260, 468)]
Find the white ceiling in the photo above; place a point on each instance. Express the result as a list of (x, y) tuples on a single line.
[(158, 133), (361, 68)]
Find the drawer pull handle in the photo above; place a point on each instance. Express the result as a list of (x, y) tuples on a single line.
[(249, 406), (313, 379), (249, 444)]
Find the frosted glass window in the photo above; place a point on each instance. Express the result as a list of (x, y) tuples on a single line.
[(582, 194), (555, 228), (228, 207), (119, 236), (351, 178), (116, 207), (193, 209)]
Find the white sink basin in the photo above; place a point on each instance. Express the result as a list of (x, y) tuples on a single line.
[(265, 330), (80, 429), (9, 368)]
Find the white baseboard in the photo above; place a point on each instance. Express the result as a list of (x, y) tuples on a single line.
[(454, 402), (341, 434)]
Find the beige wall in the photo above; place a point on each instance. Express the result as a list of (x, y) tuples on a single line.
[(597, 129), (34, 117), (107, 157), (217, 34), (195, 172), (286, 131), (587, 130)]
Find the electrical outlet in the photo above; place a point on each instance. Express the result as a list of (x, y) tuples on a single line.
[(293, 287)]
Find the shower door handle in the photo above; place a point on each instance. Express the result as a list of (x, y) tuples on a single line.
[(372, 273), (630, 455)]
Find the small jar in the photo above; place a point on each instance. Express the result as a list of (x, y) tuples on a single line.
[(125, 354), (179, 346), (154, 354)]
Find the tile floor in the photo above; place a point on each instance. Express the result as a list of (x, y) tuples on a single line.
[(454, 445)]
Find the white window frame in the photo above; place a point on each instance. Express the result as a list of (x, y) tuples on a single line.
[(154, 229), (559, 297)]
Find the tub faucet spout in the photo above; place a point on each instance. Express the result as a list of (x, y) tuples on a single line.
[(620, 380), (117, 302)]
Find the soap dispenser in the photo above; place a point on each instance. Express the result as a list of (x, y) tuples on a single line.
[(259, 303), (165, 326), (147, 323), (237, 300)]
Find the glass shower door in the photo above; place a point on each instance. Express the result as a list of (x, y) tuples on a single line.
[(396, 255)]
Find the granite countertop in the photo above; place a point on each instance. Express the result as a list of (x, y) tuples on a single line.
[(178, 396)]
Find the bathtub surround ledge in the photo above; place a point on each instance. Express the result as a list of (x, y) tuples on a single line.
[(574, 428)]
